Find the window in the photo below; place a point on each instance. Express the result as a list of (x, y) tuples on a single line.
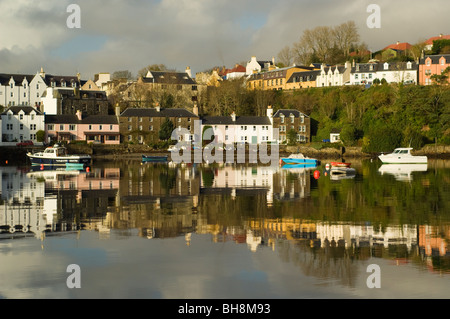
[(150, 128), (50, 127), (179, 119), (254, 128), (292, 119), (428, 62), (129, 119), (129, 127), (21, 116), (140, 119), (140, 127), (90, 127), (100, 127), (151, 119), (442, 61), (61, 127)]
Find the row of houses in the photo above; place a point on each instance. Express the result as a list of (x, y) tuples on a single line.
[(142, 125)]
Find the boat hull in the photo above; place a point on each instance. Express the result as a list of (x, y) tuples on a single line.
[(61, 161), (309, 161), (154, 159), (303, 165), (394, 159)]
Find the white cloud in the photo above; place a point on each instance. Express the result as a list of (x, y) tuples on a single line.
[(199, 33)]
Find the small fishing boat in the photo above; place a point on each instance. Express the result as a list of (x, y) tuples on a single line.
[(340, 164), (299, 159), (57, 155), (154, 159), (402, 156)]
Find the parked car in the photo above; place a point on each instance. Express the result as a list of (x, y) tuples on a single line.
[(25, 143)]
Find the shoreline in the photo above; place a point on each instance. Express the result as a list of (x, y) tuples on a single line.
[(134, 152)]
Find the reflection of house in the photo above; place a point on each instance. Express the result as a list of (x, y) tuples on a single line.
[(20, 123), (433, 241), (102, 129)]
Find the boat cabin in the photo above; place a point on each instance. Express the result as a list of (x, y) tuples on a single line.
[(55, 151), (399, 151)]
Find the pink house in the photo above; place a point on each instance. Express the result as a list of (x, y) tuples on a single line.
[(432, 64), (103, 129)]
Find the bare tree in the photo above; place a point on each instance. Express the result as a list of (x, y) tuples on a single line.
[(345, 36), (285, 56)]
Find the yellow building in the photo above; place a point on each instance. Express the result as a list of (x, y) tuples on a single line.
[(275, 79)]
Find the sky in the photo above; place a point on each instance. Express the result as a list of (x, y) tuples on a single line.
[(132, 34)]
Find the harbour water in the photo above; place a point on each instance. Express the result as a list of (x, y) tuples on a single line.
[(159, 231)]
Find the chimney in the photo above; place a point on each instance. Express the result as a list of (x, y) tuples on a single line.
[(353, 63), (233, 116), (42, 73), (78, 76), (195, 109), (79, 115), (269, 111), (273, 60), (158, 108), (188, 71), (117, 110)]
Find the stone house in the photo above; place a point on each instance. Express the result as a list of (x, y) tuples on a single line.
[(142, 125), (285, 120)]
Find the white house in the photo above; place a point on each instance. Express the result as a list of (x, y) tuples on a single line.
[(392, 72), (21, 123), (25, 89), (398, 72), (239, 129), (337, 75), (255, 66)]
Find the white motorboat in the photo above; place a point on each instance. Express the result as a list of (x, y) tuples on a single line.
[(57, 156), (402, 156)]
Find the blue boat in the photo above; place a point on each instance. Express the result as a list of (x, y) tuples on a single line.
[(299, 159), (293, 166), (154, 159)]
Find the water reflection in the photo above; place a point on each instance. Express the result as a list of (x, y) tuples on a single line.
[(307, 220)]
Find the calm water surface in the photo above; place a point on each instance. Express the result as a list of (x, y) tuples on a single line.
[(235, 231)]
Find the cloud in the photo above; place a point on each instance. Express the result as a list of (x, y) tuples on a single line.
[(117, 35)]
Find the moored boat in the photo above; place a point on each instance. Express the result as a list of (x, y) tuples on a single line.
[(299, 159), (154, 159), (57, 155), (402, 156), (340, 164)]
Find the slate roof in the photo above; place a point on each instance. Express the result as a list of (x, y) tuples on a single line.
[(288, 112), (240, 120), (303, 76), (169, 78), (435, 58), (73, 119), (18, 78), (16, 109), (393, 66), (152, 112)]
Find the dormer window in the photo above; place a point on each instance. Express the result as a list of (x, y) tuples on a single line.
[(442, 61), (428, 61), (371, 67), (12, 85), (386, 66), (409, 65)]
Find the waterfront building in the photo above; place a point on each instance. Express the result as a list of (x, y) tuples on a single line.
[(286, 119), (139, 125), (99, 129), (20, 123), (392, 72), (337, 75)]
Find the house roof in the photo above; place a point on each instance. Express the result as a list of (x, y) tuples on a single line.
[(18, 78), (303, 76), (240, 120), (169, 78), (152, 112), (58, 79), (399, 46), (16, 109), (288, 112), (435, 58), (440, 37), (73, 119)]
